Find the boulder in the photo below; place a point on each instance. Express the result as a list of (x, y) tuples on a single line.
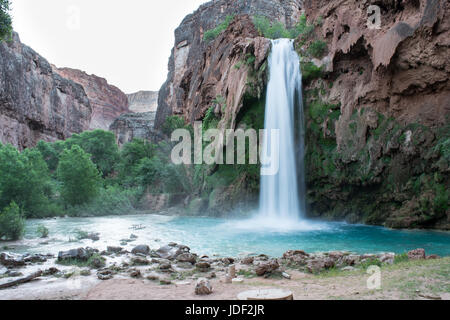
[(172, 251), (105, 274), (11, 260), (114, 249), (248, 260), (187, 257), (141, 249), (35, 258), (387, 258), (137, 261), (203, 287), (418, 254), (203, 266), (319, 264), (267, 267), (75, 254)]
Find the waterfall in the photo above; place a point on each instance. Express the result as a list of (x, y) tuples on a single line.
[(282, 197)]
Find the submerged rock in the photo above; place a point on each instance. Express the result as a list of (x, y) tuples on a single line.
[(141, 249), (105, 274), (75, 254), (172, 251)]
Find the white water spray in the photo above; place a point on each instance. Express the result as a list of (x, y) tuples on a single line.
[(282, 198)]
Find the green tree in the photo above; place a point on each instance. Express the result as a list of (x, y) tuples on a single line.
[(23, 179), (101, 145), (132, 153), (5, 20), (79, 176), (51, 152), (12, 223)]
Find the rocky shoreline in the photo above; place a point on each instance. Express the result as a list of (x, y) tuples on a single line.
[(176, 264)]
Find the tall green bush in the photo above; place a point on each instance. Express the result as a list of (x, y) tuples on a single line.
[(5, 20), (12, 222), (79, 176), (213, 33)]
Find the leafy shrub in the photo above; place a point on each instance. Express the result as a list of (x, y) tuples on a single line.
[(317, 49), (401, 258), (112, 200), (23, 179), (42, 231), (213, 33), (269, 29), (12, 223), (440, 204), (5, 20), (311, 72)]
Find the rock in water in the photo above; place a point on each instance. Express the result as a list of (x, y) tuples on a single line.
[(172, 251), (141, 249), (75, 254), (11, 260), (186, 257), (203, 287)]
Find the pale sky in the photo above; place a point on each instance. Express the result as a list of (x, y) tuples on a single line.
[(126, 42)]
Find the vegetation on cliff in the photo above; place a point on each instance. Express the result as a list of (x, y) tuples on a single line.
[(5, 20)]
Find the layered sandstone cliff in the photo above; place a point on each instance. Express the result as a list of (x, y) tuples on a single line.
[(190, 86), (35, 102), (377, 102), (378, 116), (143, 101), (108, 102)]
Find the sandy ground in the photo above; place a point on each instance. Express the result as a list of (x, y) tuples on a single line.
[(408, 281)]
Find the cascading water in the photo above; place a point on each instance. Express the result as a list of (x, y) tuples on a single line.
[(282, 198)]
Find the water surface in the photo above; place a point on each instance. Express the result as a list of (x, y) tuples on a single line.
[(228, 238)]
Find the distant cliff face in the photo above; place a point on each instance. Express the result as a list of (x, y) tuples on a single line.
[(107, 101), (35, 102), (187, 62), (143, 101)]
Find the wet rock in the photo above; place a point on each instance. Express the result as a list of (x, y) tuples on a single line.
[(227, 261), (203, 287), (133, 237), (11, 260), (13, 274), (267, 267), (351, 260), (114, 249), (165, 266), (203, 266), (141, 249), (35, 258), (50, 272), (134, 273), (187, 257), (97, 263), (248, 260), (172, 251), (165, 282), (75, 254), (105, 274), (418, 254), (137, 261), (152, 277), (85, 272)]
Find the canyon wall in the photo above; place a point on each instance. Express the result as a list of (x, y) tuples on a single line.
[(35, 102), (186, 92), (143, 101), (378, 113), (377, 103), (108, 102)]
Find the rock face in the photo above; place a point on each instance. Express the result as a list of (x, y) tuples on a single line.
[(198, 71), (107, 101), (143, 101), (135, 126), (378, 116), (35, 102)]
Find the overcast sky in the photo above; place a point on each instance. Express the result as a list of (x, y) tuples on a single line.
[(126, 42)]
